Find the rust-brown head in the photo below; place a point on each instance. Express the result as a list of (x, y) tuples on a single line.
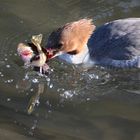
[(71, 38)]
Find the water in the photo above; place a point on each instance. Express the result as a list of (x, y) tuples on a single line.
[(68, 104)]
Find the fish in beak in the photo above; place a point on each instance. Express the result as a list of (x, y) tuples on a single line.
[(33, 54)]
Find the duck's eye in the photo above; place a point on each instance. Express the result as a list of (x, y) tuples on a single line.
[(60, 45)]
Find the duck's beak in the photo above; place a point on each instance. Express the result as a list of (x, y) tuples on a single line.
[(51, 53)]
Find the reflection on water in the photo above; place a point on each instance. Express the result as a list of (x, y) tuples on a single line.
[(68, 103), (34, 101)]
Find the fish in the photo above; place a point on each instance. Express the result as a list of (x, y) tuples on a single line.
[(33, 54)]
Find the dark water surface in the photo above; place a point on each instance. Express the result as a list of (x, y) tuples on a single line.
[(68, 104)]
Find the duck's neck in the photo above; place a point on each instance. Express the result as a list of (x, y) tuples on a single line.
[(82, 57)]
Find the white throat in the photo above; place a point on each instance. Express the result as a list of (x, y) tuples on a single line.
[(81, 58)]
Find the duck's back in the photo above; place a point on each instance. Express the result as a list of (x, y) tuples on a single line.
[(117, 43)]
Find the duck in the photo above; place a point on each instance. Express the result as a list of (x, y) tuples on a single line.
[(114, 44)]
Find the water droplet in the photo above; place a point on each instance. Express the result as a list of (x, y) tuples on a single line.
[(58, 90), (8, 66), (93, 76), (26, 76), (51, 85), (31, 89), (10, 81), (35, 80), (67, 94), (88, 99), (48, 79), (8, 99), (49, 111)]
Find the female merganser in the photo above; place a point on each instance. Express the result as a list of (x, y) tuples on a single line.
[(115, 44)]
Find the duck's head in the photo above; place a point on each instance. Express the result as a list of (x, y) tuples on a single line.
[(70, 38)]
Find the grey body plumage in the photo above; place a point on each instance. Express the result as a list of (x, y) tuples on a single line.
[(116, 43)]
